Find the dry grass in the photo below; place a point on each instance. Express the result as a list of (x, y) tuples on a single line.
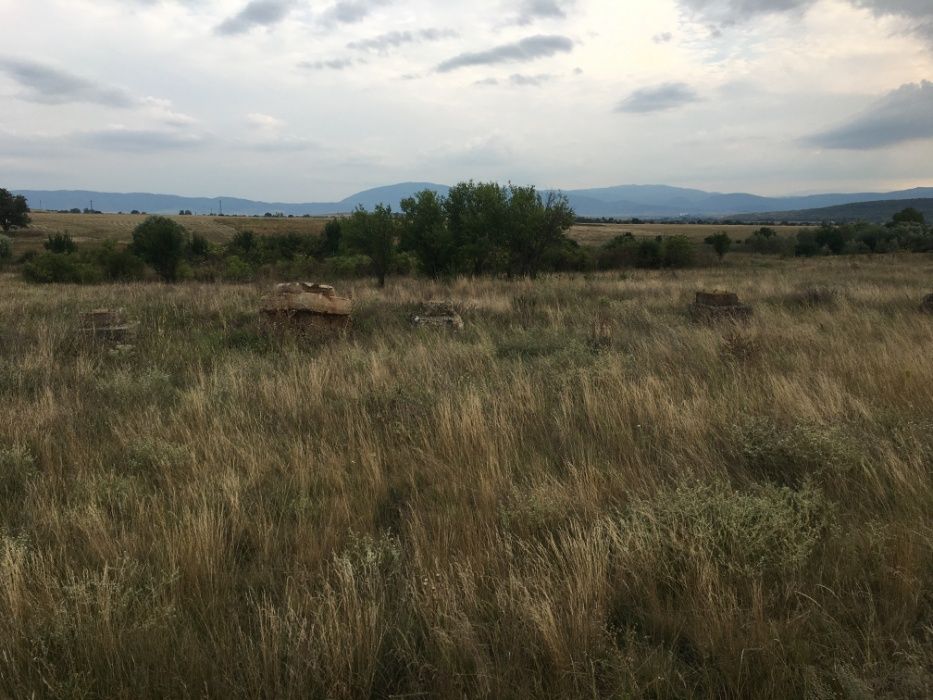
[(597, 234), (514, 511), (119, 227)]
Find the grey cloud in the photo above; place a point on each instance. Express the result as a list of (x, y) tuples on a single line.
[(391, 40), (531, 10), (137, 140), (663, 38), (487, 82), (901, 115), (257, 13), (53, 86), (329, 64), (530, 80), (919, 12), (351, 11), (725, 12), (658, 98), (525, 50)]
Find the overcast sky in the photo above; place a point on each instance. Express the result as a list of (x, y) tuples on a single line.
[(312, 100)]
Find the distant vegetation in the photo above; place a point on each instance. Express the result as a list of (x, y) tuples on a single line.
[(475, 229), (14, 211)]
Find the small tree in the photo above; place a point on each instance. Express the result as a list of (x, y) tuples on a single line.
[(720, 243), (60, 243), (14, 210), (910, 215), (162, 243), (6, 248), (425, 233), (332, 236), (375, 235)]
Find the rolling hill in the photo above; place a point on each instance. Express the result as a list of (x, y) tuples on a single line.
[(655, 201)]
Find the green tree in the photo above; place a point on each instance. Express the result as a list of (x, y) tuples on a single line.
[(535, 226), (720, 243), (332, 237), (162, 243), (910, 215), (60, 243), (478, 220), (374, 234), (6, 248), (426, 234), (14, 210)]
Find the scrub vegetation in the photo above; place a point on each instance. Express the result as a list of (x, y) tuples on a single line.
[(582, 494)]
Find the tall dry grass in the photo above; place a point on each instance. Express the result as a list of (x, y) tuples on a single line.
[(526, 509)]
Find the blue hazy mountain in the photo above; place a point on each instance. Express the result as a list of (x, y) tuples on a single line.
[(621, 201)]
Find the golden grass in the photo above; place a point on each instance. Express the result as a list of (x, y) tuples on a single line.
[(119, 227), (597, 234), (513, 511)]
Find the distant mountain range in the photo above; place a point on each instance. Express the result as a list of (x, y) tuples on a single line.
[(625, 201), (875, 211)]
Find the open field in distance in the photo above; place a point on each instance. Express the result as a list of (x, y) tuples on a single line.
[(524, 509), (89, 227)]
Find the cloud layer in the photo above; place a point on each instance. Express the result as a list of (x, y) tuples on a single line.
[(906, 114), (44, 83), (529, 49), (658, 98)]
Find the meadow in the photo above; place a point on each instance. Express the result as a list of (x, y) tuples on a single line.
[(85, 228), (524, 509)]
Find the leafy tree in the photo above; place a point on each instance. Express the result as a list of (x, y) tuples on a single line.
[(14, 210), (60, 243), (910, 215), (477, 217), (426, 234), (374, 234), (162, 243), (332, 236), (199, 248), (6, 248), (535, 226), (720, 243)]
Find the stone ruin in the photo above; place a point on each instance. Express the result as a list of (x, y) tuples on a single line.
[(719, 305), (305, 306), (927, 305), (439, 314), (110, 325)]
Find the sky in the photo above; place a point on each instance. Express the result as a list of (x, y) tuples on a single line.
[(313, 100)]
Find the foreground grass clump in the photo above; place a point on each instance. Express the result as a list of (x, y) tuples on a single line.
[(679, 510)]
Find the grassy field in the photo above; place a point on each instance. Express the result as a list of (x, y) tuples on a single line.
[(525, 509), (88, 227)]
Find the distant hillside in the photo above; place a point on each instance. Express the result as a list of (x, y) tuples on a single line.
[(875, 212), (648, 201)]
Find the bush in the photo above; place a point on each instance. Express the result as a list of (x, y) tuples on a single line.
[(677, 252), (162, 243), (60, 243), (6, 248), (237, 270), (61, 268), (118, 265)]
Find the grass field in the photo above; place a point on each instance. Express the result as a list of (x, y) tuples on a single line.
[(525, 509), (89, 227)]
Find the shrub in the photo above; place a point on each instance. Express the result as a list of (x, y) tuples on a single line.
[(60, 243), (237, 270), (678, 251), (199, 248), (6, 247), (720, 242), (162, 243), (118, 264), (61, 268)]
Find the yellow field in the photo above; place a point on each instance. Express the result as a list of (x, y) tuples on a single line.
[(86, 227), (584, 494), (119, 227), (596, 234)]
